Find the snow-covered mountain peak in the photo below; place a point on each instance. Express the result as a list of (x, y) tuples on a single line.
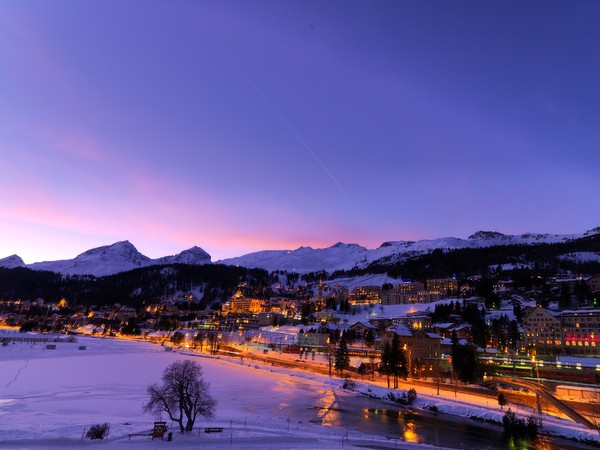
[(12, 261), (342, 256), (304, 259), (194, 255), (118, 257), (123, 256), (106, 260), (123, 251), (404, 244), (349, 246), (487, 236), (196, 250)]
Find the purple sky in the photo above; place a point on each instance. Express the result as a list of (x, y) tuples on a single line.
[(247, 125)]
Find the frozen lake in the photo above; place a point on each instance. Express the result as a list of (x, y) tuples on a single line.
[(48, 398)]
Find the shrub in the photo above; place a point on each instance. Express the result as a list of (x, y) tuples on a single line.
[(515, 426), (349, 384), (411, 396), (98, 431), (408, 397)]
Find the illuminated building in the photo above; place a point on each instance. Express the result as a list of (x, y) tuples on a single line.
[(581, 332), (365, 295), (542, 332), (239, 303), (447, 286), (418, 345), (402, 293), (574, 333)]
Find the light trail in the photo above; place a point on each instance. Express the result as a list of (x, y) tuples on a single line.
[(275, 111)]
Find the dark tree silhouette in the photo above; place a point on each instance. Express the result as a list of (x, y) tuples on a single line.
[(183, 395), (502, 401), (342, 356), (465, 363), (177, 338)]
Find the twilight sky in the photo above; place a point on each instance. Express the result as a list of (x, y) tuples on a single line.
[(248, 125)]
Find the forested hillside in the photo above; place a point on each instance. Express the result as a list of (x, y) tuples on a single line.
[(542, 258), (149, 284)]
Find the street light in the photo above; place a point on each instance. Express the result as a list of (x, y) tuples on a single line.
[(409, 358)]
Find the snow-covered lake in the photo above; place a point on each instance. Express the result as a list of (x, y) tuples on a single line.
[(50, 397)]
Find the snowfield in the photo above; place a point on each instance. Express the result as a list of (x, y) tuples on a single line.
[(49, 398)]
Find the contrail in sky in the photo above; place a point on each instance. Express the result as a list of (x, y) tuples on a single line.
[(276, 112)]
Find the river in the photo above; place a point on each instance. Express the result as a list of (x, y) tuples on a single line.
[(357, 414)]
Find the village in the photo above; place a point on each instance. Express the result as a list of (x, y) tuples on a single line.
[(428, 319)]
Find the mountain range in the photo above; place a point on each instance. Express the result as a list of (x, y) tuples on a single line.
[(123, 256), (109, 259)]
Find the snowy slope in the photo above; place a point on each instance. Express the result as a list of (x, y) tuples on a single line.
[(346, 256), (582, 257), (194, 255), (119, 257), (109, 259), (123, 256), (12, 261), (304, 259)]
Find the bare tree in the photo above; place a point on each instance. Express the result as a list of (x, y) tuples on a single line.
[(183, 395)]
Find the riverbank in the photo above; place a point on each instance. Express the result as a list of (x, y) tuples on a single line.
[(475, 408)]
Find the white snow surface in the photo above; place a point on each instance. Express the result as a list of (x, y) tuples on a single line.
[(352, 283), (48, 398), (364, 313), (118, 257), (123, 256), (347, 256), (12, 261), (581, 257)]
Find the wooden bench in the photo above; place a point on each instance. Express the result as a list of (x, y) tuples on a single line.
[(159, 430), (213, 430)]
